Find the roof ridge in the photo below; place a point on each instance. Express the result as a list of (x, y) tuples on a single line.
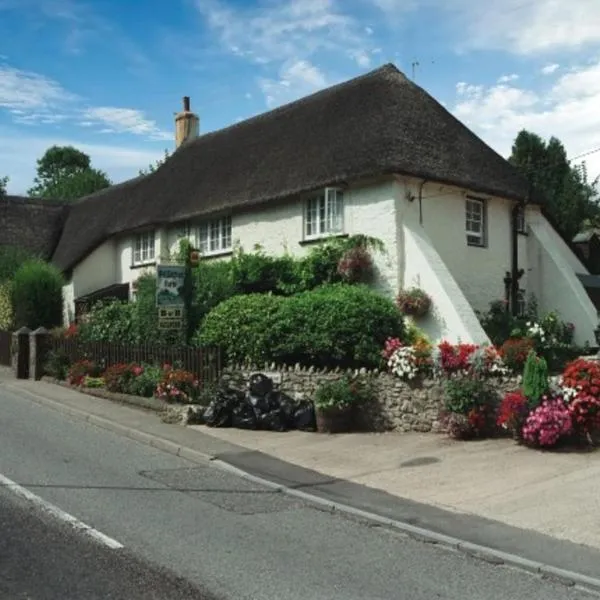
[(386, 69)]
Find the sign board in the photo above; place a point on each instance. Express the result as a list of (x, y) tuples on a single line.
[(170, 317), (169, 285)]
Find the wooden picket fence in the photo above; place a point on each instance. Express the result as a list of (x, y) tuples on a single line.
[(205, 363)]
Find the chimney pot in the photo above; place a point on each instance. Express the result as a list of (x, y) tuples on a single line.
[(186, 103)]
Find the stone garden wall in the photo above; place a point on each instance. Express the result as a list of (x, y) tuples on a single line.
[(400, 406)]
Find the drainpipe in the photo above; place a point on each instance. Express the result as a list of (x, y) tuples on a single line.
[(514, 271), (421, 186)]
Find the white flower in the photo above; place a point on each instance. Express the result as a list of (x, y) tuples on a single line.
[(403, 363)]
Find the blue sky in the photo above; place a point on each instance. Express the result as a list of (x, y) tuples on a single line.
[(107, 75)]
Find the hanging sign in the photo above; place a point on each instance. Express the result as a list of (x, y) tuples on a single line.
[(169, 288)]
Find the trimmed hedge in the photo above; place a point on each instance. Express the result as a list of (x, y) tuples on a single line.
[(37, 295), (336, 325)]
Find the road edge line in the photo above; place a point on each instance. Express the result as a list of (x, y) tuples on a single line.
[(59, 514)]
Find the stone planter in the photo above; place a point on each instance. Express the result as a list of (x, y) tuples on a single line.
[(334, 420)]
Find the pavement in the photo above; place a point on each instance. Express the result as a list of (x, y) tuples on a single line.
[(298, 523), (553, 493)]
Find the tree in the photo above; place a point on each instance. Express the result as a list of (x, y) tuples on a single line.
[(568, 196), (65, 173), (153, 167), (3, 184)]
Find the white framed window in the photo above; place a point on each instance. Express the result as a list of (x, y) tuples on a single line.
[(144, 250), (521, 224), (475, 221), (215, 236), (324, 213)]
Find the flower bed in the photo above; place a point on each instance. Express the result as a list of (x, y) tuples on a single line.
[(167, 383), (542, 413)]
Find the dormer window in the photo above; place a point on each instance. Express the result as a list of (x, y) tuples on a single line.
[(324, 213)]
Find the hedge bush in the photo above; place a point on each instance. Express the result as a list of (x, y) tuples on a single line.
[(334, 325), (243, 327), (37, 295), (128, 322)]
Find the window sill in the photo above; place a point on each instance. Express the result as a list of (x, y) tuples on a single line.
[(322, 238), (151, 263), (475, 245), (523, 233), (218, 254)]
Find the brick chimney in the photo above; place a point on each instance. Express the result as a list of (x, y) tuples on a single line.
[(187, 124)]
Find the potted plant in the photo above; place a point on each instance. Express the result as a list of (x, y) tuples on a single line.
[(413, 302), (336, 402)]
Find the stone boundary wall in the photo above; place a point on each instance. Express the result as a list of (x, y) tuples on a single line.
[(400, 406)]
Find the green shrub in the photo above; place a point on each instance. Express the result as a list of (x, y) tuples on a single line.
[(335, 325), (242, 326), (112, 321), (343, 393), (128, 322), (6, 310), (466, 394), (213, 283), (37, 295), (57, 365), (535, 378), (146, 382)]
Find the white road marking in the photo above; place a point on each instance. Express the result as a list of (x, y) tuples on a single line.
[(59, 514)]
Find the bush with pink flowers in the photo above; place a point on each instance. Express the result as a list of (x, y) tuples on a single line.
[(548, 424)]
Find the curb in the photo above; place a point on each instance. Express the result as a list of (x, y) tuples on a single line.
[(486, 553)]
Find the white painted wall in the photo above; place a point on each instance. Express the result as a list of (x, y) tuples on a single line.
[(421, 265), (94, 272), (553, 278)]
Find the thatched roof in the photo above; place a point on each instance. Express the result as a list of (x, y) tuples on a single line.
[(378, 123), (31, 224)]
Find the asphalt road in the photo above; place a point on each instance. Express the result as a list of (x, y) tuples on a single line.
[(231, 538)]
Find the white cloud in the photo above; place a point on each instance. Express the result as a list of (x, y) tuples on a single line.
[(517, 26), (362, 58), (23, 90), (567, 110), (527, 27), (33, 99), (272, 32), (18, 155), (296, 79), (125, 120), (289, 36), (508, 78), (549, 69)]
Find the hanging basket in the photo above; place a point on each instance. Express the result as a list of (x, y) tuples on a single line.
[(414, 302)]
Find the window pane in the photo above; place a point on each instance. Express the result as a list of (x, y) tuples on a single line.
[(203, 238), (311, 216), (151, 243), (322, 216), (334, 211), (214, 236), (226, 233)]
